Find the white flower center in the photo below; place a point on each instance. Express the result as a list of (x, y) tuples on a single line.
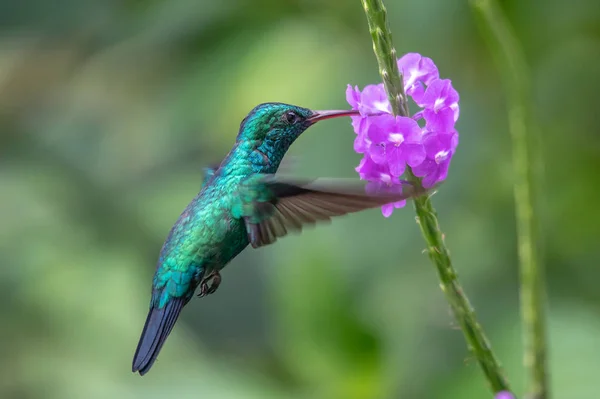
[(396, 138), (438, 103), (441, 156), (380, 105), (385, 178), (413, 75)]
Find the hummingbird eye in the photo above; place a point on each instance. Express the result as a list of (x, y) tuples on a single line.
[(291, 117)]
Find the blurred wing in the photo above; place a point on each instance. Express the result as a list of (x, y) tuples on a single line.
[(293, 204)]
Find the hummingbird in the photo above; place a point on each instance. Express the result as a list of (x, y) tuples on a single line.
[(244, 202)]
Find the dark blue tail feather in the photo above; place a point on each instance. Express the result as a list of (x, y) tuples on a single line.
[(159, 323)]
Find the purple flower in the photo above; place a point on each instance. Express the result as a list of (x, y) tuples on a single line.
[(417, 71), (373, 100), (391, 143), (440, 103), (353, 96), (439, 148), (395, 141), (439, 94), (504, 395)]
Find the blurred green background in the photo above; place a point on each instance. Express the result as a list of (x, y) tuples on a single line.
[(110, 109)]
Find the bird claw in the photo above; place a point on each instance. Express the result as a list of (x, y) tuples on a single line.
[(215, 280)]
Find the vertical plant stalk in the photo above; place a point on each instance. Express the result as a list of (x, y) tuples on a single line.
[(426, 215), (511, 63)]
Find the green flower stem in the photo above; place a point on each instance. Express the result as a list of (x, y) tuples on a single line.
[(511, 63), (426, 215)]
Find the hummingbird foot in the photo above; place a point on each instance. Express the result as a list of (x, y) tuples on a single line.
[(214, 278)]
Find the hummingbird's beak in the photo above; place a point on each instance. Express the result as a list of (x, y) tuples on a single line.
[(321, 115)]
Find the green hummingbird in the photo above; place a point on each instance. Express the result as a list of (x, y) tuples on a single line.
[(243, 202)]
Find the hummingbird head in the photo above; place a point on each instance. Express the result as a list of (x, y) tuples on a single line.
[(270, 129), (273, 127)]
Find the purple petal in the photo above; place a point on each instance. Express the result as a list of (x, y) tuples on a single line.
[(395, 159), (400, 204), (353, 96), (378, 153), (359, 123), (427, 167), (365, 168), (408, 127), (414, 154), (439, 121), (379, 127), (435, 143), (362, 141), (416, 92), (430, 180), (361, 145), (443, 169), (416, 68), (433, 96), (369, 170), (418, 116), (453, 140), (373, 100), (450, 93), (439, 94), (408, 60), (387, 210), (449, 140)]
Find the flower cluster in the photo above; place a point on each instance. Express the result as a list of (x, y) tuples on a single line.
[(425, 142)]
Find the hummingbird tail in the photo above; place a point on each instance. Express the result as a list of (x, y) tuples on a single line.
[(159, 323)]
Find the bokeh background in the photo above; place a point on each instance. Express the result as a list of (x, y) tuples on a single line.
[(110, 109)]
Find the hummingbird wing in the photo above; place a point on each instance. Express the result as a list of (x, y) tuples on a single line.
[(273, 206)]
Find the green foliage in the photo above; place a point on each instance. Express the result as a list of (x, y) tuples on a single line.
[(512, 66)]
